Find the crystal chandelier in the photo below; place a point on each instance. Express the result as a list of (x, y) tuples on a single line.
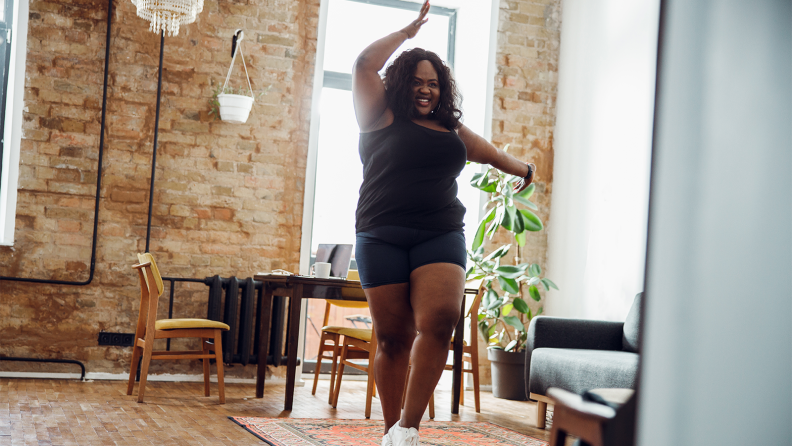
[(167, 15)]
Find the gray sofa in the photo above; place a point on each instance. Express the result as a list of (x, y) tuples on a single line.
[(579, 355)]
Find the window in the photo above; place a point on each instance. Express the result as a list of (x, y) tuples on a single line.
[(6, 19), (339, 171), (334, 171), (13, 44)]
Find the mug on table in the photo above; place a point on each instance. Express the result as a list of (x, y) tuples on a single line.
[(321, 270)]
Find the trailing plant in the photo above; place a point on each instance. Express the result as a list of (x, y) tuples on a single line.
[(503, 318)]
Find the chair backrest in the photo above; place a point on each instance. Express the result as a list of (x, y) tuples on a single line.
[(149, 295), (147, 257), (473, 309), (352, 275), (472, 305)]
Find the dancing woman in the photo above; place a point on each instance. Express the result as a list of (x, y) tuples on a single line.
[(410, 248)]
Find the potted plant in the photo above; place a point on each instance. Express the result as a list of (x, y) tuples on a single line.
[(503, 317)]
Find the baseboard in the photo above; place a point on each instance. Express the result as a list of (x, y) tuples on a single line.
[(101, 376)]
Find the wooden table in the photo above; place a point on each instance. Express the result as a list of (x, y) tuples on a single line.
[(297, 288)]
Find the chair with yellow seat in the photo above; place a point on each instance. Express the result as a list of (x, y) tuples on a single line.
[(331, 337), (470, 350), (149, 329), (357, 342)]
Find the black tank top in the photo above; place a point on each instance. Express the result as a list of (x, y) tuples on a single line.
[(409, 178)]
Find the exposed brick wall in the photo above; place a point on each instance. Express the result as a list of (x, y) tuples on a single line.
[(228, 197), (524, 110)]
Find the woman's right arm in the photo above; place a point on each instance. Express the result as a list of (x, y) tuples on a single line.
[(368, 91)]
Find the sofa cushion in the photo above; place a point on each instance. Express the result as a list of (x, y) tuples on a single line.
[(632, 326), (578, 370)]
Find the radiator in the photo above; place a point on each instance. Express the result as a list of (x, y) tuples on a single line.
[(236, 302)]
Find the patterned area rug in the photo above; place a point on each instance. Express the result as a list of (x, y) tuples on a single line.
[(329, 432)]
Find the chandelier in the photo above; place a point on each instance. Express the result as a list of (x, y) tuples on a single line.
[(167, 15)]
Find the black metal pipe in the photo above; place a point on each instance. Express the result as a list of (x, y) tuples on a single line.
[(156, 133), (62, 361), (98, 174)]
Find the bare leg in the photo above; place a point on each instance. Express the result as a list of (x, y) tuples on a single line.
[(436, 296), (395, 329)]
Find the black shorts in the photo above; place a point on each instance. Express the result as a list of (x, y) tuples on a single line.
[(387, 254)]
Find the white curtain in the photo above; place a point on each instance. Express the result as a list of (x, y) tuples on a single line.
[(598, 216)]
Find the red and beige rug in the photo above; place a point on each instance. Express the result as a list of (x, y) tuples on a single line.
[(330, 432)]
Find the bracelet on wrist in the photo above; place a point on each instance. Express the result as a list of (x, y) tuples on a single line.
[(530, 173)]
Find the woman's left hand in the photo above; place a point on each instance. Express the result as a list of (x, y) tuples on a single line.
[(527, 180)]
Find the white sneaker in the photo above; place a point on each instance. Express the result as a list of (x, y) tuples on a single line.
[(386, 440), (403, 436)]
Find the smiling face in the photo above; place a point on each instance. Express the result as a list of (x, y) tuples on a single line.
[(425, 88)]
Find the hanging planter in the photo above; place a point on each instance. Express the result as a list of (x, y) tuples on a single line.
[(235, 107)]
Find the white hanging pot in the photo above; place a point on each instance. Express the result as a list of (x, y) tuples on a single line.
[(236, 107)]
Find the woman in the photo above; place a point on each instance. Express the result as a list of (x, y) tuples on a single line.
[(410, 246)]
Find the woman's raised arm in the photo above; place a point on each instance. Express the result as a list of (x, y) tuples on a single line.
[(368, 92)]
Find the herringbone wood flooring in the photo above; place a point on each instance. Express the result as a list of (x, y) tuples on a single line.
[(64, 412)]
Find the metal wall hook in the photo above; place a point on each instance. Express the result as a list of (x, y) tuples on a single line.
[(238, 36)]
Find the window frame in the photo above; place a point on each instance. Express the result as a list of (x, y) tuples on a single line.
[(12, 121)]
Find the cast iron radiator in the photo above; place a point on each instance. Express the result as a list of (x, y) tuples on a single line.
[(236, 302)]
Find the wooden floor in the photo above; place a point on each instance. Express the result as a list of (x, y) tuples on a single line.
[(63, 412)]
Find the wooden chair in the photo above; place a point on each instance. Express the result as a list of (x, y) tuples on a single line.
[(596, 424), (330, 340), (356, 340), (149, 329), (470, 352)]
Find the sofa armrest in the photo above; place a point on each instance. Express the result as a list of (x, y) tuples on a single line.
[(557, 332)]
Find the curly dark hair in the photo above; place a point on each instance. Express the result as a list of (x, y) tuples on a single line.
[(398, 85)]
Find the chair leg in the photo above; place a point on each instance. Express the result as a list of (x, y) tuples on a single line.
[(218, 346), (334, 367), (205, 348), (541, 413), (136, 353), (476, 396), (318, 362), (431, 407), (145, 366), (557, 437), (406, 383), (339, 375), (462, 387), (370, 385)]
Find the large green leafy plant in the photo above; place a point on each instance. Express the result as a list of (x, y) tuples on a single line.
[(503, 318)]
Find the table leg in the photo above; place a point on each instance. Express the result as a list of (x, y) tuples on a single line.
[(459, 337), (295, 304), (265, 313)]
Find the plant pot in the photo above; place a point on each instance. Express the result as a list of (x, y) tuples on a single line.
[(508, 374), (234, 107)]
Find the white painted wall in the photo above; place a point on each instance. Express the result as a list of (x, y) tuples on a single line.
[(717, 361), (597, 224)]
